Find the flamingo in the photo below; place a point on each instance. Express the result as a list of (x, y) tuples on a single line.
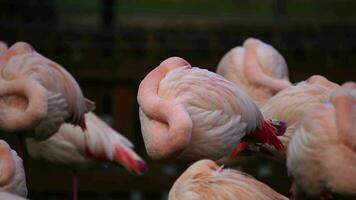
[(190, 114), (71, 146), (257, 68), (205, 180), (289, 105), (322, 152), (37, 94), (9, 196), (12, 177)]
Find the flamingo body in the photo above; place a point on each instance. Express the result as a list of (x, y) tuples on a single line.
[(71, 146), (12, 177), (321, 154), (290, 104), (190, 113), (257, 68), (204, 180), (37, 93)]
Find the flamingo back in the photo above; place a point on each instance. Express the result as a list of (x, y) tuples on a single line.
[(205, 180), (317, 156)]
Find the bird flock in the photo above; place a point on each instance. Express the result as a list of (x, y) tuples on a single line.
[(188, 115)]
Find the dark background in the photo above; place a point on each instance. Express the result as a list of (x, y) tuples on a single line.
[(110, 45)]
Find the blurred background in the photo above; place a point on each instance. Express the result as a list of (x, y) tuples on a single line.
[(110, 45)]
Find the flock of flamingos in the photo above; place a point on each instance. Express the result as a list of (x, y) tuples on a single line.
[(188, 115)]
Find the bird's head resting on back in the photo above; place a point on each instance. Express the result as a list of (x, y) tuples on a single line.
[(37, 93), (179, 123), (257, 68)]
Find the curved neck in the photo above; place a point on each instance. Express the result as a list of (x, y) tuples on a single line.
[(36, 95), (254, 73), (165, 111)]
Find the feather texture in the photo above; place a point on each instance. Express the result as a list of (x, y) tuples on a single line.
[(204, 180), (321, 154), (72, 146), (39, 91), (12, 177), (269, 71), (217, 113)]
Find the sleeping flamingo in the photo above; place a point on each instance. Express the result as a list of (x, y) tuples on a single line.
[(289, 105), (71, 146), (322, 152), (205, 180), (12, 177), (190, 114), (37, 94), (257, 68)]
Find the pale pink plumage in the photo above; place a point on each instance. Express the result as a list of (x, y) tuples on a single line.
[(71, 146), (321, 80), (257, 68), (289, 104), (9, 196), (204, 180), (37, 93), (322, 152), (351, 87), (191, 113), (12, 174)]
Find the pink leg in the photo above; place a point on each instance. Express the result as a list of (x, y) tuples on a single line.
[(293, 191), (75, 185)]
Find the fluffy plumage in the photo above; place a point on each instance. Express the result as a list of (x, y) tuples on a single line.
[(71, 146), (257, 68), (12, 177), (37, 93), (191, 113), (204, 180), (289, 104), (321, 154)]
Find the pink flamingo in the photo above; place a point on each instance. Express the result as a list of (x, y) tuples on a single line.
[(321, 155), (289, 105), (37, 94), (257, 68), (12, 177), (190, 114), (71, 146), (205, 180)]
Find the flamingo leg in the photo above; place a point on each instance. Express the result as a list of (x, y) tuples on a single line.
[(293, 191), (75, 185)]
